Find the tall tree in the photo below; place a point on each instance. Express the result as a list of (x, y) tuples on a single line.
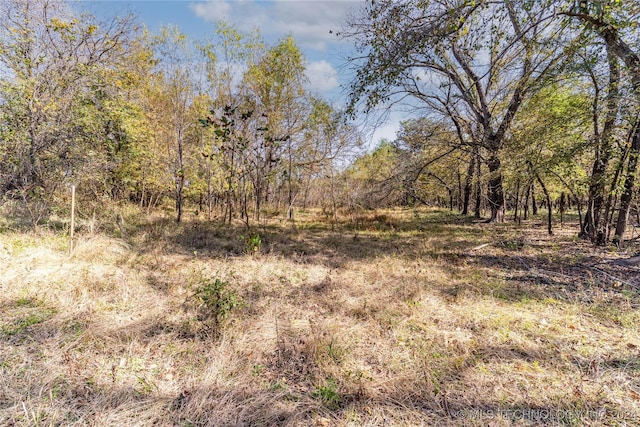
[(229, 57), (276, 84), (611, 20), (596, 223), (50, 59), (481, 58), (177, 92)]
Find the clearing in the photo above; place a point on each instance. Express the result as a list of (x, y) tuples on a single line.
[(402, 317)]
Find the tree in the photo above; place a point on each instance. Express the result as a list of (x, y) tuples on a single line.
[(428, 162), (321, 148), (611, 20), (276, 84), (372, 177), (53, 71), (230, 111), (548, 143), (602, 69), (472, 62), (177, 92)]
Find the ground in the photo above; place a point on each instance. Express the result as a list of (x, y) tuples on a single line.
[(403, 317)]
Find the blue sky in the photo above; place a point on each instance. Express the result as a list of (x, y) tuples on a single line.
[(313, 24)]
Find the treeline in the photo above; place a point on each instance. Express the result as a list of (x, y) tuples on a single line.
[(522, 101), (514, 105), (228, 125)]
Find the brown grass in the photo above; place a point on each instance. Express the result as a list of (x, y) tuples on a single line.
[(398, 318)]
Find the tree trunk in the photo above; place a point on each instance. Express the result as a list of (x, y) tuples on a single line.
[(209, 195), (526, 202), (468, 181), (290, 195), (229, 208), (548, 199), (495, 193), (179, 186), (459, 195), (478, 195), (627, 195), (595, 225), (179, 180), (612, 198), (517, 202), (143, 195)]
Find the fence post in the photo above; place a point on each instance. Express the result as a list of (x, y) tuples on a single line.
[(73, 218)]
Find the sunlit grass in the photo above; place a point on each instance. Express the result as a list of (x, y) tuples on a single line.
[(404, 317)]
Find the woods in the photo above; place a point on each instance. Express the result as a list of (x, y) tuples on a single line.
[(227, 125), (523, 89), (512, 105)]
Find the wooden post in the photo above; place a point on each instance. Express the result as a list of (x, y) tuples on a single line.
[(73, 217)]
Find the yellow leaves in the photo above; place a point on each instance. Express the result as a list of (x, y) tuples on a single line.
[(60, 25)]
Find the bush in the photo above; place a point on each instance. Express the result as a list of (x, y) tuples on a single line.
[(214, 302)]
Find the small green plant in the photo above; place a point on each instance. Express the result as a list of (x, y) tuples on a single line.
[(145, 387), (215, 302), (279, 385), (328, 394), (334, 351), (252, 243), (30, 319)]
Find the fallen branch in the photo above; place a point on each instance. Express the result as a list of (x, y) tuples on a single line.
[(615, 278), (477, 248), (628, 262)]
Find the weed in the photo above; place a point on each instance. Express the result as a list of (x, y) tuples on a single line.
[(144, 387), (515, 244), (328, 394), (20, 324), (257, 370), (279, 385), (252, 243), (334, 351), (215, 302)]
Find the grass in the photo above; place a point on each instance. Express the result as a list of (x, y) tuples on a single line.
[(399, 317)]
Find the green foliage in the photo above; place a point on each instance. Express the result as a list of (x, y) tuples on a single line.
[(372, 176), (550, 138), (32, 311), (60, 70), (328, 394), (215, 301), (252, 243)]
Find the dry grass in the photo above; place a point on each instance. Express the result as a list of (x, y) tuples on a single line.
[(401, 318)]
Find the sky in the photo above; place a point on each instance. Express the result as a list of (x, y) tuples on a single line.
[(313, 24)]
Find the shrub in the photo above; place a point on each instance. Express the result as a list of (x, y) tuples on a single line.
[(214, 302)]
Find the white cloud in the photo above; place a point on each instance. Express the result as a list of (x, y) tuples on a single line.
[(322, 76), (387, 131), (310, 22), (212, 11)]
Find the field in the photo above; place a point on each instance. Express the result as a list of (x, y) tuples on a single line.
[(403, 317)]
